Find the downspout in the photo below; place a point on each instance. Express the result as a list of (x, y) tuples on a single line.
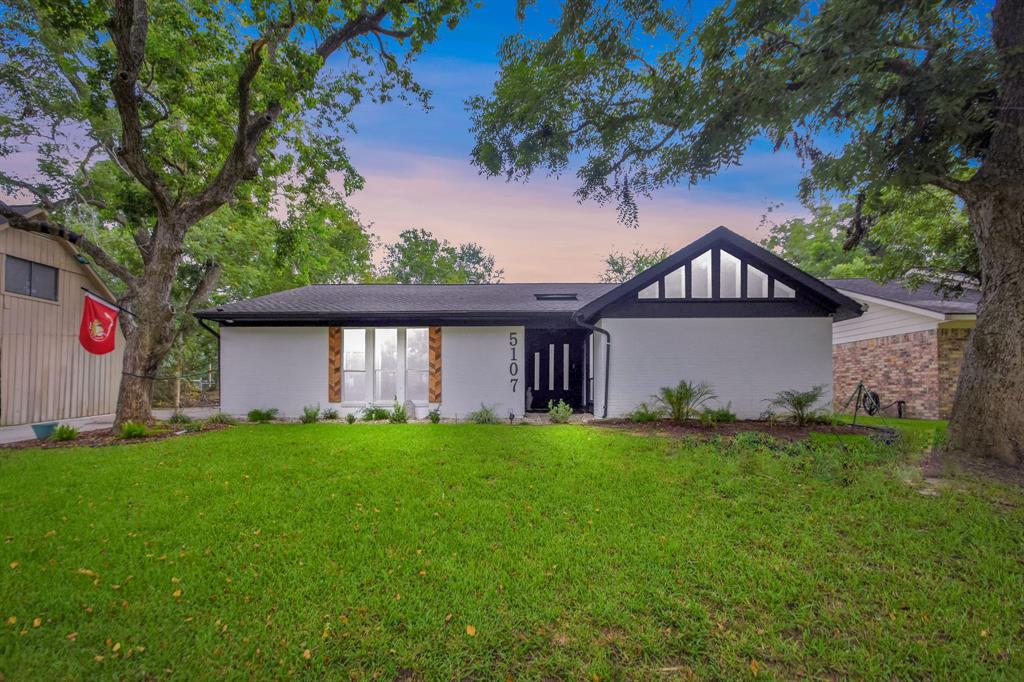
[(216, 335), (577, 319)]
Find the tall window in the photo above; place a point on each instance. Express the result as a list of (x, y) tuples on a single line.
[(729, 275), (417, 364), (650, 291), (353, 365), (782, 291), (757, 283), (385, 364), (29, 278), (675, 283), (701, 283)]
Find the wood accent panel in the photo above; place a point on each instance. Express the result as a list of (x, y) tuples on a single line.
[(45, 374), (334, 364), (434, 356)]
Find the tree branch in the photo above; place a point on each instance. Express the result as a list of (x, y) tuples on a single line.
[(91, 249), (129, 27), (205, 286)]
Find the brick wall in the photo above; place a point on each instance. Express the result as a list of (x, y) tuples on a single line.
[(898, 367), (951, 344)]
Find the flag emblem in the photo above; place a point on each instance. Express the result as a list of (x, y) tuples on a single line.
[(98, 322)]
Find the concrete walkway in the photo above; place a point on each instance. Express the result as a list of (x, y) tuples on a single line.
[(14, 434)]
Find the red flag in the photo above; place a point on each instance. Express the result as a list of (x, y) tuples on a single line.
[(99, 320)]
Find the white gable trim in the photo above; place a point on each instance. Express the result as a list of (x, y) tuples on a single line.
[(893, 304)]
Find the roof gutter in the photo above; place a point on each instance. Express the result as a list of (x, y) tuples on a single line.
[(577, 319)]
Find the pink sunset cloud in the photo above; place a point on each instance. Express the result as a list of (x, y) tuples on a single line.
[(537, 231)]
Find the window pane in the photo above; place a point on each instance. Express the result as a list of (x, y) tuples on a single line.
[(729, 275), (675, 283), (386, 386), (354, 345), (416, 385), (17, 276), (385, 349), (649, 291), (782, 291), (416, 349), (353, 388), (701, 275), (757, 283)]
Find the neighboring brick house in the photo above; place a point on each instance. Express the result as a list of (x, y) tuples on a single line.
[(908, 345)]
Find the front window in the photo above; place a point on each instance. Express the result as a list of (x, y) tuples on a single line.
[(417, 364), (650, 291), (701, 282), (353, 365), (385, 363), (729, 275), (675, 283), (29, 278), (782, 291)]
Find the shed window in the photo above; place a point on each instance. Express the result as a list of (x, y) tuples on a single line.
[(701, 283), (757, 283), (416, 364), (353, 365), (675, 283), (729, 275), (782, 291), (29, 278), (651, 291)]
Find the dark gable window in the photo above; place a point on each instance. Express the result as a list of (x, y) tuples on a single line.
[(29, 278)]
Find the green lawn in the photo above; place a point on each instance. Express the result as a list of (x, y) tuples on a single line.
[(569, 552)]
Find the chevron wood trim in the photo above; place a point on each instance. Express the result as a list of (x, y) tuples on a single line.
[(334, 364), (434, 356)]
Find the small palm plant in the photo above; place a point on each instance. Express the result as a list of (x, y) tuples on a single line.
[(799, 404), (685, 399)]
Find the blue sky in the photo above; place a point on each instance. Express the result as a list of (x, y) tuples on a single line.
[(418, 173)]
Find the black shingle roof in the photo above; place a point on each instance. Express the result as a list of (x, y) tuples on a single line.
[(925, 297), (353, 300)]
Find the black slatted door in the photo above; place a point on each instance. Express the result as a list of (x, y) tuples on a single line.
[(554, 368)]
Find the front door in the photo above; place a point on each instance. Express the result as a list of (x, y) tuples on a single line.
[(554, 367)]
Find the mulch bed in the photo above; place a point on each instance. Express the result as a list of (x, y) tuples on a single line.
[(789, 432), (104, 437)]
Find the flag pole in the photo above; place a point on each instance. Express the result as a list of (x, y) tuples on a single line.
[(110, 303)]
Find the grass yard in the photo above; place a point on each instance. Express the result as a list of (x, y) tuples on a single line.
[(462, 551)]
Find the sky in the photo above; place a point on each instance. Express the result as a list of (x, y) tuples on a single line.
[(418, 174)]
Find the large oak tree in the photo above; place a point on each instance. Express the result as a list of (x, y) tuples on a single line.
[(872, 94), (199, 105)]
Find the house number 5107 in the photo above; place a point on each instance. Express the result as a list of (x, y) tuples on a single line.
[(513, 364)]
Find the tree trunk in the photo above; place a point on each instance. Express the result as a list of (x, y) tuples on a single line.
[(988, 412)]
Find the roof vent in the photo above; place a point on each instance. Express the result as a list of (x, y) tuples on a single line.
[(555, 297)]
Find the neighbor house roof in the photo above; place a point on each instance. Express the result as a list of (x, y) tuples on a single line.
[(466, 303), (925, 297)]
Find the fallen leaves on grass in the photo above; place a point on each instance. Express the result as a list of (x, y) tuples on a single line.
[(471, 630), (15, 564)]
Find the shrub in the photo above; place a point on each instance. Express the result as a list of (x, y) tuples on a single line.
[(485, 415), (718, 415), (179, 418), (434, 415), (64, 432), (221, 418), (398, 415), (310, 414), (350, 418), (559, 412), (799, 405), (329, 413), (372, 414), (644, 413), (752, 440), (266, 415), (132, 429), (684, 399)]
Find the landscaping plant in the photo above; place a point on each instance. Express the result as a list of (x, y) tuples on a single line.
[(310, 414), (64, 432), (485, 415), (799, 405), (643, 413), (350, 418), (179, 418), (131, 429), (434, 415), (221, 418), (375, 413), (559, 412), (329, 414), (398, 414), (263, 415), (718, 415), (685, 399)]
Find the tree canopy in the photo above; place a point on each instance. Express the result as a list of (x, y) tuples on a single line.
[(420, 258), (621, 267)]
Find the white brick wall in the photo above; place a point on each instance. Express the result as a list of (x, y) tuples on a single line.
[(475, 369), (745, 359)]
